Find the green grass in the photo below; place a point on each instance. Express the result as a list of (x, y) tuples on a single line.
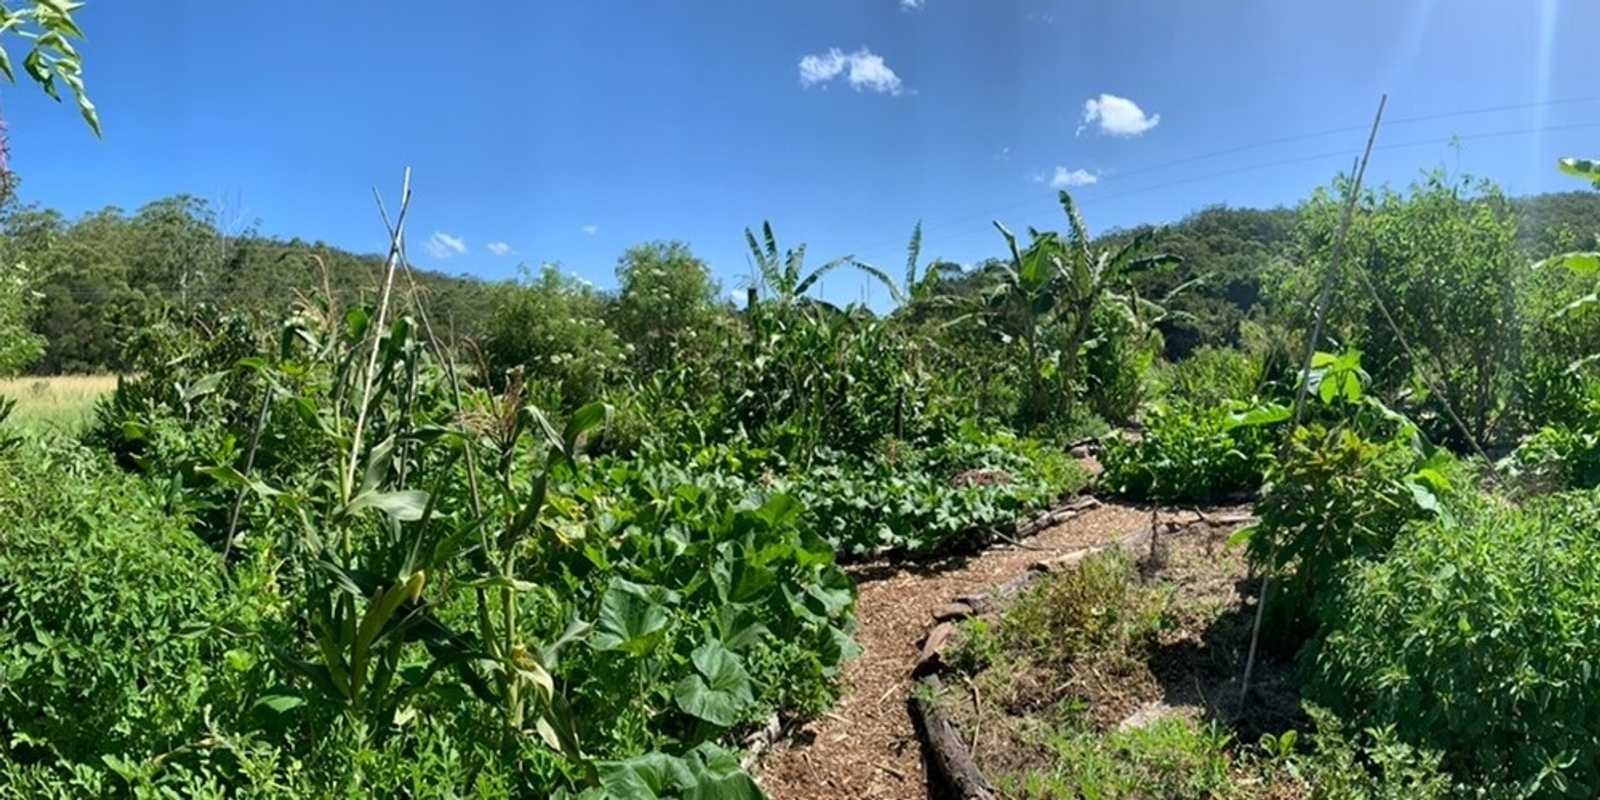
[(59, 403)]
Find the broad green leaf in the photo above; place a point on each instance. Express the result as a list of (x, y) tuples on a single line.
[(356, 321), (233, 478), (1266, 414), (632, 617), (720, 692), (647, 777), (1243, 535), (834, 591), (206, 385), (377, 467), (405, 505), (551, 435), (583, 420), (718, 776), (780, 510), (1584, 264), (1424, 497), (550, 653), (739, 580), (738, 627), (280, 703)]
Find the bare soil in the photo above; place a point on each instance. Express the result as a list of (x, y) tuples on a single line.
[(866, 747)]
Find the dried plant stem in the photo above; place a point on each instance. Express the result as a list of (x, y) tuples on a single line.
[(396, 243)]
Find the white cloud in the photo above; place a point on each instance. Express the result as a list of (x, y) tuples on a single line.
[(1003, 155), (1117, 116), (499, 248), (591, 229), (863, 69), (911, 5), (443, 245), (1065, 178)]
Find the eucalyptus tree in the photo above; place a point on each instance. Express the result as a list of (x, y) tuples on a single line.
[(51, 60)]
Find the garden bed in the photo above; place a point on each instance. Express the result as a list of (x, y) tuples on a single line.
[(1115, 673)]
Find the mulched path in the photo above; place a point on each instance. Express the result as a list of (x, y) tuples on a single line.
[(866, 747)]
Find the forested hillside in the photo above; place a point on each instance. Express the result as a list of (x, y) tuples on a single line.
[(97, 278)]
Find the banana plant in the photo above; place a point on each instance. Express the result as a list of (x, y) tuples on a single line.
[(1585, 264), (783, 272), (1056, 283)]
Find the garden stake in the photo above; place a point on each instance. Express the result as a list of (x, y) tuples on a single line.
[(1305, 373), (377, 339)]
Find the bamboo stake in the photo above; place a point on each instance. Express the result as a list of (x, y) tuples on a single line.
[(1305, 372)]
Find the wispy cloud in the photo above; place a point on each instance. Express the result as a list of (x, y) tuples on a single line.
[(1003, 155), (591, 229), (1065, 178), (911, 5), (500, 248), (443, 245), (863, 69), (1116, 116)]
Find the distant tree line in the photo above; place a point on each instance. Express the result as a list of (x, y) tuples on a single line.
[(77, 288)]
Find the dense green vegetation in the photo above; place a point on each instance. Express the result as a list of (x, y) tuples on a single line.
[(345, 528)]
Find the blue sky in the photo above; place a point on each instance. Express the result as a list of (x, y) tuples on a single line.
[(567, 131)]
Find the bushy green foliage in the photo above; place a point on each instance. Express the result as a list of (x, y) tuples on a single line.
[(1477, 640), (810, 379), (1190, 454), (19, 345), (1097, 607), (1349, 763), (1442, 259), (109, 614), (1560, 456), (552, 328), (1121, 349), (1045, 300), (1211, 376), (666, 310), (1340, 492)]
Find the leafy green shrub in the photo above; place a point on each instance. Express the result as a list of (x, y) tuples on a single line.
[(110, 617), (1332, 500), (1478, 640), (1561, 455), (1116, 358), (1189, 453), (1212, 376), (552, 327), (810, 379), (1372, 764), (666, 310)]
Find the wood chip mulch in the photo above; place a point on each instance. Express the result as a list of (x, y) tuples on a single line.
[(866, 747)]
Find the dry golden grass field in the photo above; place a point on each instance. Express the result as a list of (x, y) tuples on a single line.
[(62, 402)]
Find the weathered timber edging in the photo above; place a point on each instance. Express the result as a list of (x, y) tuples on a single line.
[(948, 757)]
